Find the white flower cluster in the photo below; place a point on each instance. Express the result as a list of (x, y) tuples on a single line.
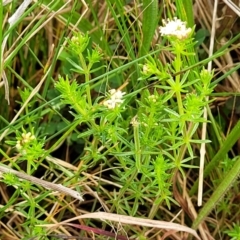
[(145, 69), (135, 122), (115, 99), (175, 28), (74, 39), (26, 137)]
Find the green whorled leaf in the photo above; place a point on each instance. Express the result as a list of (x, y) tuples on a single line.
[(77, 67)]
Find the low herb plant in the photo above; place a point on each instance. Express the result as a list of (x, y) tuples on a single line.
[(144, 135), (135, 138)]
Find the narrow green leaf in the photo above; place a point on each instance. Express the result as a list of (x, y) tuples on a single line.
[(221, 190), (149, 24), (185, 11)]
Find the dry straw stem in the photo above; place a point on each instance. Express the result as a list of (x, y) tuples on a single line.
[(129, 220), (204, 128), (45, 184), (5, 2), (233, 6)]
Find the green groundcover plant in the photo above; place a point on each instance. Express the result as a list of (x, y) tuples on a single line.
[(132, 140)]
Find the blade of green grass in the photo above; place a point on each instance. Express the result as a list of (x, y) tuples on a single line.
[(221, 190), (149, 24), (185, 11)]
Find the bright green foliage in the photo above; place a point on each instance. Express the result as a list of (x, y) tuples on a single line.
[(162, 167), (234, 233), (158, 128), (119, 105)]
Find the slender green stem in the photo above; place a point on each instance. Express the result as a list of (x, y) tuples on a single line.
[(184, 146), (137, 144), (178, 84), (154, 209), (87, 78), (180, 105)]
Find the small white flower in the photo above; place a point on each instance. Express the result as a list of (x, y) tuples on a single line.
[(118, 94), (112, 91), (74, 38), (27, 137), (111, 104), (145, 69), (175, 28), (18, 145), (134, 122), (115, 99)]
